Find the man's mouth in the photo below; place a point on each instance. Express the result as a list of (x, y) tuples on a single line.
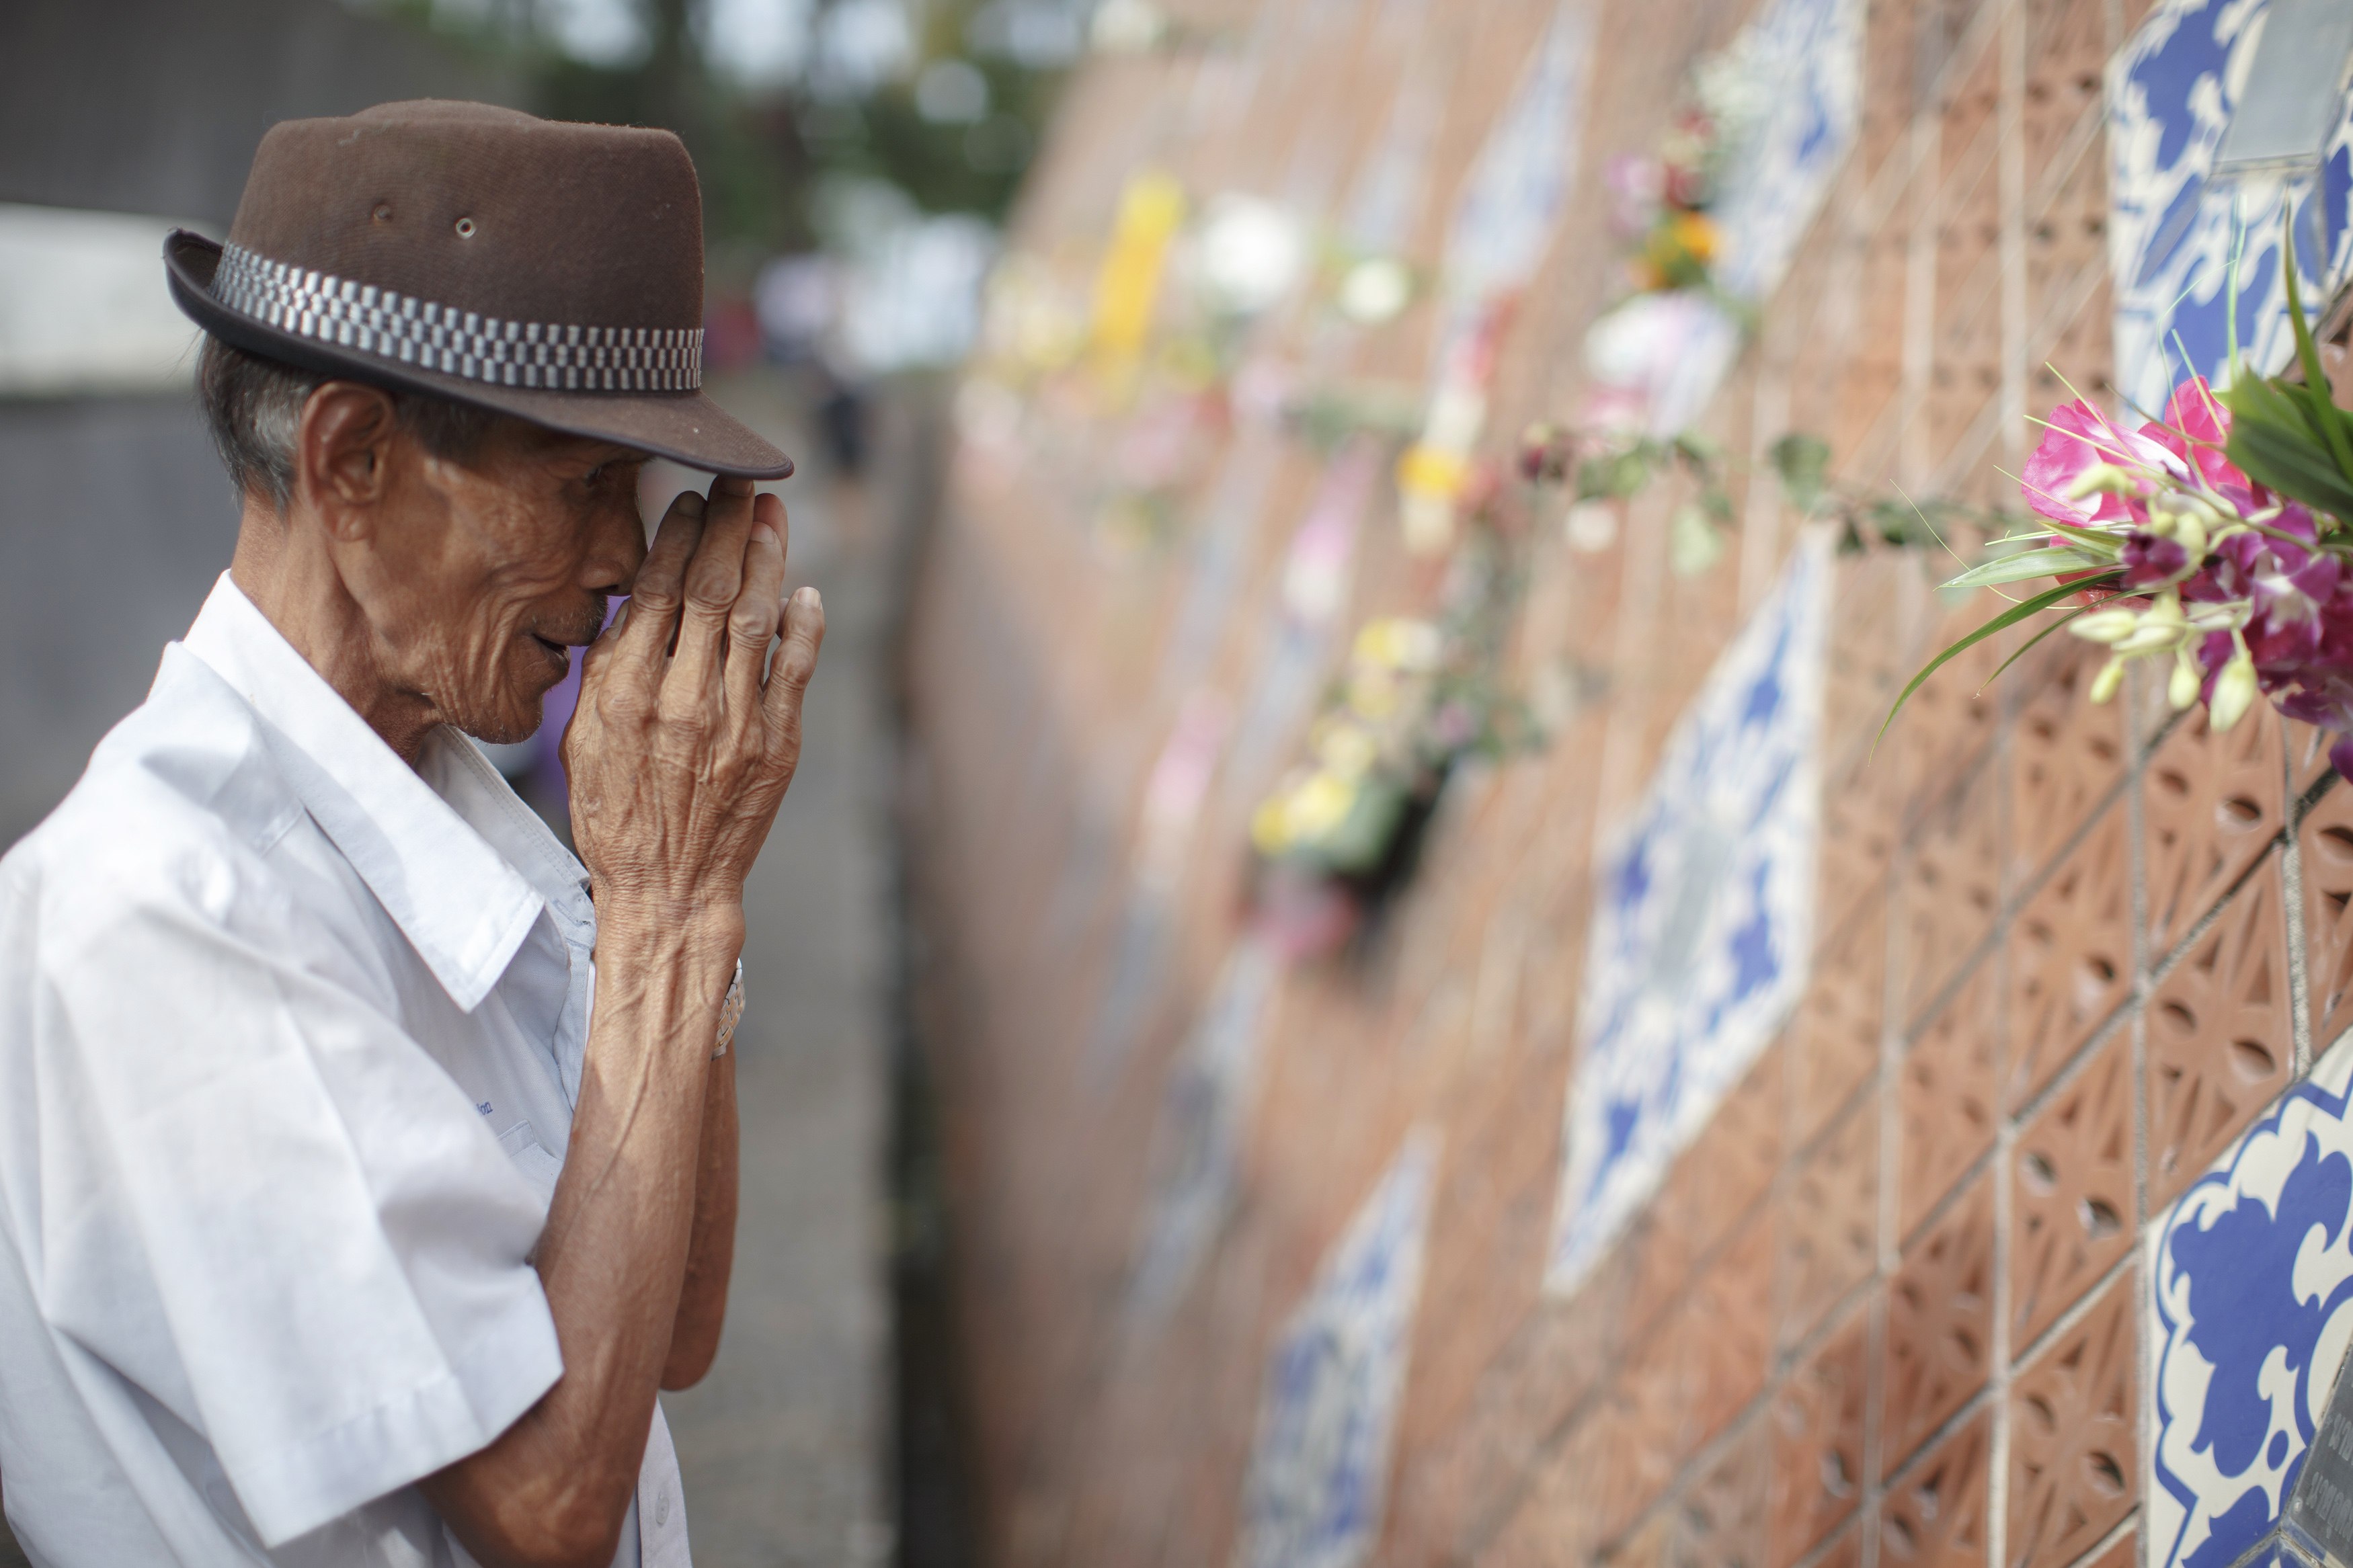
[(559, 652)]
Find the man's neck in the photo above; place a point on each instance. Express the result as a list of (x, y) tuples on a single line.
[(283, 566)]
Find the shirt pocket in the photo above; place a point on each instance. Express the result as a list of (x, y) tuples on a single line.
[(539, 1167)]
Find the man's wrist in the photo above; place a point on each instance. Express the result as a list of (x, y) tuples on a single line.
[(701, 948)]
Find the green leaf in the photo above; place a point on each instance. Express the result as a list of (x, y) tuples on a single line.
[(1803, 463), (2027, 646), (2001, 622), (1694, 543), (2027, 564), (2290, 461), (2272, 440), (2323, 412)]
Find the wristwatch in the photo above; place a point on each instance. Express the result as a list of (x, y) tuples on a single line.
[(731, 1013)]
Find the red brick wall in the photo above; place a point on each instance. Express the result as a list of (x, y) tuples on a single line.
[(1884, 1310)]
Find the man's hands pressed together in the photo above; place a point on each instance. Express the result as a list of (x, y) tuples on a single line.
[(683, 743), (680, 750)]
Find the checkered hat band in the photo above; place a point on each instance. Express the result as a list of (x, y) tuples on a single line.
[(554, 356)]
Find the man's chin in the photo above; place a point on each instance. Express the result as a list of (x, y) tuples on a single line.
[(517, 719)]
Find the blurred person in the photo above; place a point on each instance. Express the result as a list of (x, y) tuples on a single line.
[(335, 1226)]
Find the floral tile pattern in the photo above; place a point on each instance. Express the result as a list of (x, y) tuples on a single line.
[(1705, 920), (1935, 1515), (1204, 1112), (1320, 1465), (2220, 1041), (2211, 804), (1818, 1443), (2251, 1310), (2073, 1449), (1829, 1220), (1951, 886), (2327, 839), (2066, 754), (1722, 1519), (1939, 1323), (2069, 954), (2074, 1209), (1835, 1035), (2171, 92), (1950, 1093)]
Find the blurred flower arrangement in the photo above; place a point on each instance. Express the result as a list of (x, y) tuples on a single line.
[(1662, 202), (2214, 542), (1419, 697), (1604, 468)]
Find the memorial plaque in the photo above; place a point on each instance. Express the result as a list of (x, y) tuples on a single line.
[(2320, 1508)]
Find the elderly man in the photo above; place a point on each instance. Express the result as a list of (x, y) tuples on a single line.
[(366, 1160)]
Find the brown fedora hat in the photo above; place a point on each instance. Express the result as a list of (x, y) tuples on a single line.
[(544, 269)]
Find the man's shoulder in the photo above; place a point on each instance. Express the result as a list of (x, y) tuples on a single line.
[(178, 805)]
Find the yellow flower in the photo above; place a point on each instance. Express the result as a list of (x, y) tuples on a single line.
[(1427, 470), (1397, 643), (1697, 236), (1319, 804), (1271, 825), (1345, 750), (1373, 692)]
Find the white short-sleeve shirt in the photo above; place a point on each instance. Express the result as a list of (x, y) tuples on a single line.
[(290, 1038)]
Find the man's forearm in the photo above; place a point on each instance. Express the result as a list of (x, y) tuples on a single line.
[(711, 1255), (556, 1485)]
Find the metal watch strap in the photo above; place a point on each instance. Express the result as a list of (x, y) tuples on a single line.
[(731, 1013)]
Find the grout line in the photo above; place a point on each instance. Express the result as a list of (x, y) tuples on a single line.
[(2292, 895), (2081, 138), (2077, 1310), (1998, 1376), (2077, 1062), (2122, 1527), (1818, 1553), (2161, 967), (2144, 984), (1952, 1197), (2270, 1541)]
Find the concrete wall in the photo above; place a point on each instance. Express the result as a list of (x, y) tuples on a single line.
[(113, 513)]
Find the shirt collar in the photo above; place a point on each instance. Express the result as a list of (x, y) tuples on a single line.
[(461, 904)]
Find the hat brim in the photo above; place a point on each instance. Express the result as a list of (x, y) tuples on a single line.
[(684, 426)]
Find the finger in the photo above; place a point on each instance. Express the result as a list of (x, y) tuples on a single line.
[(713, 578), (788, 678), (758, 608), (642, 633)]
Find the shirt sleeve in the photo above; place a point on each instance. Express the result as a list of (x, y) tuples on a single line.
[(274, 1211)]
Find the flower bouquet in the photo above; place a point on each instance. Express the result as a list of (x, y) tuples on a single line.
[(2214, 542), (1343, 829)]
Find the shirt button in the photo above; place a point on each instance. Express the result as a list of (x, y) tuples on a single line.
[(661, 1508)]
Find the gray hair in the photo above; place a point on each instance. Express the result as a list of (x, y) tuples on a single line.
[(253, 408)]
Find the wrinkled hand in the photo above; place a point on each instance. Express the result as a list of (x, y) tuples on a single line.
[(685, 736)]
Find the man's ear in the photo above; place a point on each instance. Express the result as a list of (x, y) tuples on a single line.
[(343, 453)]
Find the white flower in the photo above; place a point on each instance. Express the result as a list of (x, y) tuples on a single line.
[(2235, 691)]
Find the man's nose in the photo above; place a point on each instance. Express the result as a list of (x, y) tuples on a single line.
[(616, 549)]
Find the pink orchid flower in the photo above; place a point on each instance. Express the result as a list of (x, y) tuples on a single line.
[(2081, 437)]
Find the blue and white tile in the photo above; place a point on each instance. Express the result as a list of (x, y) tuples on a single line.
[(1516, 192), (1204, 1117), (1801, 64), (1802, 61), (2171, 91), (1319, 1467), (1704, 920), (2249, 1311)]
